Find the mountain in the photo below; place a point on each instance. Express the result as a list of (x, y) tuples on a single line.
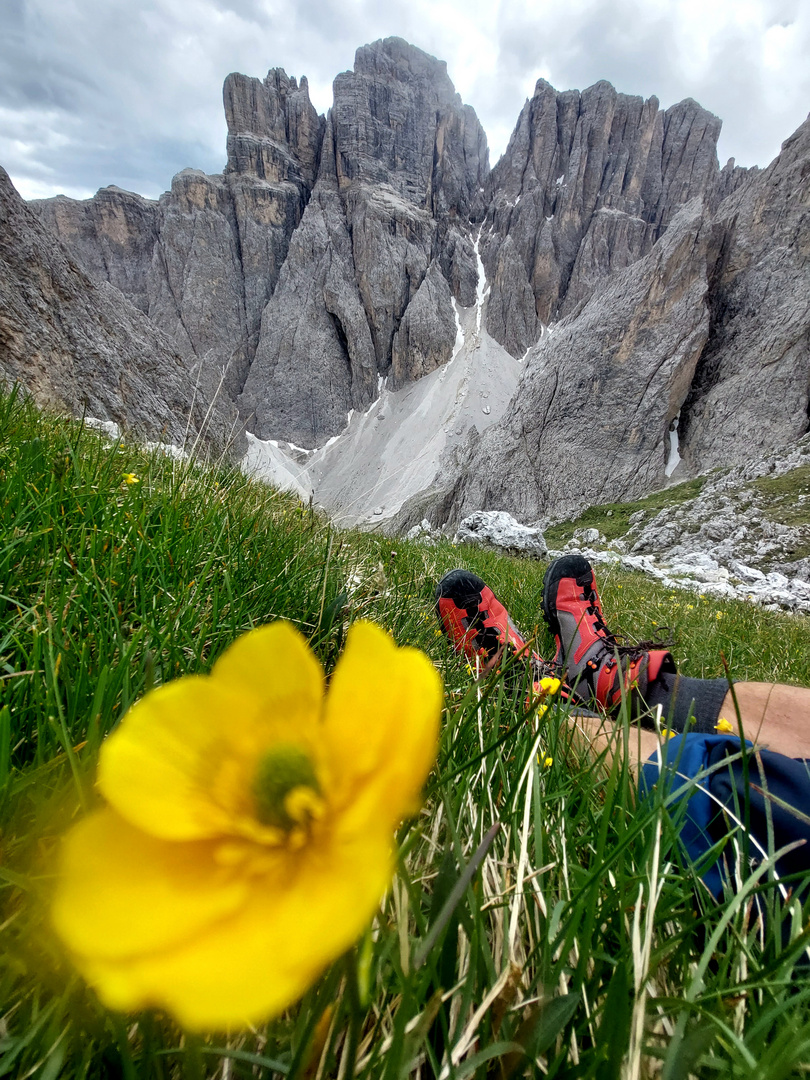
[(74, 342), (612, 308), (697, 356)]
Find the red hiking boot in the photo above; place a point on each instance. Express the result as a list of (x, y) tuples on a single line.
[(478, 624), (597, 664)]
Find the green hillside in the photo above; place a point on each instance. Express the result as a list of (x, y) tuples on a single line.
[(580, 943)]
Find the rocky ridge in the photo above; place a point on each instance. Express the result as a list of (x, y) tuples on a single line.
[(75, 343), (331, 250), (695, 356), (656, 304)]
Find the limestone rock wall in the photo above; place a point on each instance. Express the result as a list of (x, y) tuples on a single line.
[(383, 247), (587, 185), (335, 252), (203, 261), (75, 343), (751, 389), (588, 421)]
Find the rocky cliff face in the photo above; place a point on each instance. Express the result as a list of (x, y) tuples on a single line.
[(382, 249), (203, 261), (592, 411), (708, 333), (752, 384), (398, 171), (645, 288), (588, 184), (76, 343)]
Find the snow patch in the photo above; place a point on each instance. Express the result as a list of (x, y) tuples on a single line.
[(459, 342), (169, 450), (674, 456), (482, 289), (106, 427)]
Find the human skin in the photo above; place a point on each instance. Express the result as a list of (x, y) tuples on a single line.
[(772, 715)]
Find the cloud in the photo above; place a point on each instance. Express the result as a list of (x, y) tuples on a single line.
[(94, 92), (745, 62)]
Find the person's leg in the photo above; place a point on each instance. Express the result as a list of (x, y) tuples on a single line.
[(772, 715), (601, 738)]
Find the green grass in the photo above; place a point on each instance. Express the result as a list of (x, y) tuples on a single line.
[(786, 499), (582, 947), (613, 519)]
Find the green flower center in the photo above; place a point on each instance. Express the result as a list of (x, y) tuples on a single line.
[(286, 790)]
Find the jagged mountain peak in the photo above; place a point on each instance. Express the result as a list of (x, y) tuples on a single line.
[(397, 58), (335, 252)]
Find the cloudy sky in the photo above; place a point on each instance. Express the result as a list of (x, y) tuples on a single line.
[(96, 92)]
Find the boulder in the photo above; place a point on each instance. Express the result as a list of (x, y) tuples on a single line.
[(497, 529)]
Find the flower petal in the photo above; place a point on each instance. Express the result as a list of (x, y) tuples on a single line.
[(381, 727), (122, 892), (182, 762), (277, 665), (252, 965)]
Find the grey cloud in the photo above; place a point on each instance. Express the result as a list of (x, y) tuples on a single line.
[(642, 50)]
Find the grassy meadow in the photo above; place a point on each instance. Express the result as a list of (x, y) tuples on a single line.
[(540, 923)]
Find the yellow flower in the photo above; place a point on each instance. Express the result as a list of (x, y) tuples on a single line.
[(549, 761), (723, 725), (249, 836), (549, 686), (718, 615), (546, 688), (130, 478), (668, 733)]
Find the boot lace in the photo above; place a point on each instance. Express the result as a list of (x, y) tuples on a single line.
[(625, 645)]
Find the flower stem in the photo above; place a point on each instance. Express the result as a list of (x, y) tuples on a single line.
[(355, 1014)]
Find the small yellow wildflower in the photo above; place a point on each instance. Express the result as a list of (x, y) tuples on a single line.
[(249, 836), (668, 733), (718, 615), (723, 726), (130, 478), (690, 607), (546, 688), (549, 761), (549, 686)]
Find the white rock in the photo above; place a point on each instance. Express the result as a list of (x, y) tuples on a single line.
[(496, 528), (747, 573), (108, 427)]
